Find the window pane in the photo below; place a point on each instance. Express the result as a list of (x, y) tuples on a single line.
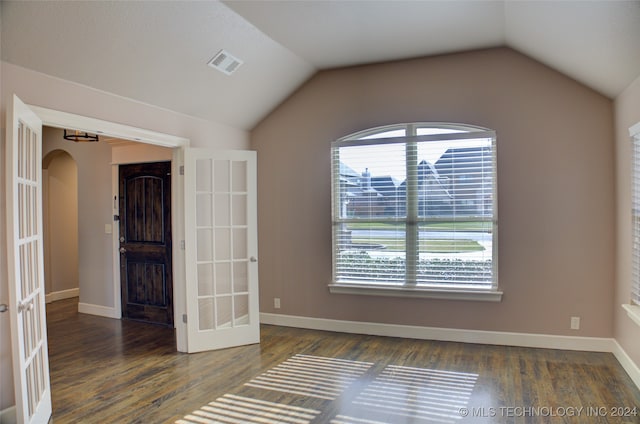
[(371, 180), (456, 253), (415, 211), (385, 134), (370, 252), (455, 178)]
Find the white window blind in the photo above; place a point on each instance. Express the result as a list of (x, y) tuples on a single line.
[(635, 217), (414, 206)]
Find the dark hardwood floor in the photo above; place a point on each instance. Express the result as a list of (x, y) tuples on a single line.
[(106, 370)]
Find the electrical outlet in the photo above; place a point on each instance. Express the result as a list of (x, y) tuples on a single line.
[(276, 302), (575, 323)]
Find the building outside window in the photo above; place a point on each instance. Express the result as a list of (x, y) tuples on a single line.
[(414, 210)]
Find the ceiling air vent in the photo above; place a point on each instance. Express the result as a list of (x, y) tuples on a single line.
[(225, 62)]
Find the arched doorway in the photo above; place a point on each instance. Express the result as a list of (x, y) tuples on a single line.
[(60, 221)]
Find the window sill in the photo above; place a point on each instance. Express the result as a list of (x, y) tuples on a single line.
[(447, 294), (633, 311)]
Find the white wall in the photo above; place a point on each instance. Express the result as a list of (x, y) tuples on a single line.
[(53, 93), (139, 152)]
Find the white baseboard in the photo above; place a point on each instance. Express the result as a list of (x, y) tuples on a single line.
[(627, 363), (103, 311), (547, 341), (62, 294), (8, 415)]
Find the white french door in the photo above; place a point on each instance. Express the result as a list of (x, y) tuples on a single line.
[(221, 249), (25, 264)]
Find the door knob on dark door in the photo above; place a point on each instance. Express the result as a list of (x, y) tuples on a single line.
[(123, 250)]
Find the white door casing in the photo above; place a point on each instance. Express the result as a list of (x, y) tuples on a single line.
[(221, 249), (25, 264), (234, 303)]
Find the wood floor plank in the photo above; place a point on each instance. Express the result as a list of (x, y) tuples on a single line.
[(106, 370)]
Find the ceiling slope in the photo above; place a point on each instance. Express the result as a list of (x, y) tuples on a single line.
[(157, 52), (331, 34), (595, 42)]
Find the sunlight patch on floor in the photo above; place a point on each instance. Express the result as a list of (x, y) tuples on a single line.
[(315, 376), (397, 394), (345, 419), (419, 393), (234, 409)]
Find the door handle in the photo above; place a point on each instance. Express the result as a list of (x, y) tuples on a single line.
[(253, 259), (4, 307), (123, 250)]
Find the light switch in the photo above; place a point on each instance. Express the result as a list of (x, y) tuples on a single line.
[(108, 229)]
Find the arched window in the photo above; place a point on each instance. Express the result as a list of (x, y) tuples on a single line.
[(414, 211)]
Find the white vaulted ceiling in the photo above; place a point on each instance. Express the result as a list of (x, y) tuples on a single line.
[(157, 52)]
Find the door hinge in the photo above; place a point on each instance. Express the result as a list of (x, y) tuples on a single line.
[(182, 244), (116, 217), (184, 318), (181, 169)]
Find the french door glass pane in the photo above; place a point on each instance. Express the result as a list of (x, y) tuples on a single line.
[(241, 309), (223, 278), (240, 277), (223, 307), (204, 244), (203, 207), (239, 176), (203, 175), (206, 313), (222, 183), (222, 209), (239, 205), (205, 279), (222, 244), (240, 243)]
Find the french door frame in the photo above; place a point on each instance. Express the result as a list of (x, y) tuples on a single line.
[(58, 119)]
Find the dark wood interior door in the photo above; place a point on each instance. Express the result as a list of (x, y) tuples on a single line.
[(145, 242)]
